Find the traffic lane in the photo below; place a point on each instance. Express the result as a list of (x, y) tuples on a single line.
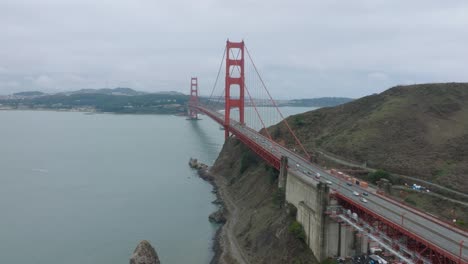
[(397, 211), (401, 209), (447, 239), (379, 202), (419, 228), (423, 227)]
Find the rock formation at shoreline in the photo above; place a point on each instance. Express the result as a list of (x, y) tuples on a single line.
[(144, 254), (218, 216)]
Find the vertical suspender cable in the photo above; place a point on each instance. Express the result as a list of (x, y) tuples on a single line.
[(274, 104)]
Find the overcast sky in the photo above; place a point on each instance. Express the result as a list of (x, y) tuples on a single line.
[(302, 48)]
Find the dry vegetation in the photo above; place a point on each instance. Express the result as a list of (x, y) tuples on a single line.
[(264, 227), (416, 130)]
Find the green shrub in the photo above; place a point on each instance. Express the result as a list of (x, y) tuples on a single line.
[(247, 159), (292, 210), (397, 180), (279, 197), (272, 173), (410, 201), (329, 261), (379, 174), (461, 223), (297, 261), (298, 121), (296, 229), (276, 133)]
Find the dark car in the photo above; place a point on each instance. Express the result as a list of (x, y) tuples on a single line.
[(349, 184), (365, 194)]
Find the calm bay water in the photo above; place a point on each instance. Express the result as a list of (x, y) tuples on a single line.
[(77, 188)]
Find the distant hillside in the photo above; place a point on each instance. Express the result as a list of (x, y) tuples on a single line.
[(28, 94), (139, 104), (108, 91), (418, 130), (319, 102), (120, 91)]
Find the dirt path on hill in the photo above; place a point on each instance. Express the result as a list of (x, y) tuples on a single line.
[(341, 161), (232, 252)]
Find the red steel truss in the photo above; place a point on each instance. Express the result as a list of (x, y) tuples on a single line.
[(265, 154), (412, 241)]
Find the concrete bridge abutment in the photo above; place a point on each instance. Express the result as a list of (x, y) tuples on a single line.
[(311, 199), (324, 235)]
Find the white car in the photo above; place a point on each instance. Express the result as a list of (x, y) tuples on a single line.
[(364, 200), (328, 182), (355, 193), (317, 175)]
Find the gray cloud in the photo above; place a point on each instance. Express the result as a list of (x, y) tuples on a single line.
[(302, 48)]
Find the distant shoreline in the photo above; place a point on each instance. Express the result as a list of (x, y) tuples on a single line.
[(47, 109), (88, 111)]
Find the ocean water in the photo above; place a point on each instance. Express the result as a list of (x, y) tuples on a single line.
[(79, 188)]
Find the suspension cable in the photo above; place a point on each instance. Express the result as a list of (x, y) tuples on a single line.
[(255, 107), (276, 106), (217, 76)]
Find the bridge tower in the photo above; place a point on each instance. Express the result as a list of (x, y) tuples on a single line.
[(192, 113), (234, 82)]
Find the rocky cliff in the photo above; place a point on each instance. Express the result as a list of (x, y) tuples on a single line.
[(258, 228)]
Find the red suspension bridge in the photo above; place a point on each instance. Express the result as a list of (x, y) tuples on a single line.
[(413, 236)]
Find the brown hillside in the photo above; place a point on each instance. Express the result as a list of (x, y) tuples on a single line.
[(417, 130), (260, 223)]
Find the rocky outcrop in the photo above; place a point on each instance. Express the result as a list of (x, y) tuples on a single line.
[(144, 254), (194, 164), (218, 217)]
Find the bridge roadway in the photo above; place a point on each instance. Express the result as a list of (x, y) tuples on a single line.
[(426, 227)]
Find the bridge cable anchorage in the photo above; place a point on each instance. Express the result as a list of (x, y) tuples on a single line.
[(258, 114), (276, 106)]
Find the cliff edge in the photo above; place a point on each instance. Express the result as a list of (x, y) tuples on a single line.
[(258, 227)]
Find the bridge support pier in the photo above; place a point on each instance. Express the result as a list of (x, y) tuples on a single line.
[(342, 240), (325, 236), (311, 199)]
